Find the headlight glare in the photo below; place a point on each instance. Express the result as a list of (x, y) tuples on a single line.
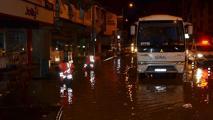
[(201, 77), (199, 55)]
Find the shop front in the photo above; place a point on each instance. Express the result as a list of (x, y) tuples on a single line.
[(25, 33), (71, 43)]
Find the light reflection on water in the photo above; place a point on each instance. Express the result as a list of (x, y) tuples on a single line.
[(92, 79), (123, 97), (150, 98), (118, 65), (66, 94), (70, 95), (132, 61), (90, 75), (160, 88), (129, 87)]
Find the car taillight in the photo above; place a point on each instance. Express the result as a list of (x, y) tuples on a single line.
[(205, 41)]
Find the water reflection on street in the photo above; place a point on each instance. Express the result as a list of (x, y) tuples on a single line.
[(66, 94), (112, 91)]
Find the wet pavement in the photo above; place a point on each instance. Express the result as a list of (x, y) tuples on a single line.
[(38, 100), (110, 91), (113, 92)]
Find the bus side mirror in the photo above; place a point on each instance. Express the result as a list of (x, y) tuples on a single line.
[(190, 29)]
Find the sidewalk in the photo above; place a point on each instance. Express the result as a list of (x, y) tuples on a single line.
[(31, 98), (7, 79), (24, 97)]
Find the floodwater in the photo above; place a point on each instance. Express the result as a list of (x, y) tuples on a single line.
[(113, 91), (110, 91)]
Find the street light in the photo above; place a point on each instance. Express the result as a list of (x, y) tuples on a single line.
[(118, 37), (124, 18), (131, 5)]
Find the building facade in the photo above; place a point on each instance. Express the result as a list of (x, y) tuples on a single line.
[(24, 31), (199, 13), (50, 30)]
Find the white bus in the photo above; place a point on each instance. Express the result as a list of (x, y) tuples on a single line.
[(161, 44)]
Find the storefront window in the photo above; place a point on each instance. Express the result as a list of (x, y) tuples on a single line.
[(16, 41), (1, 41)]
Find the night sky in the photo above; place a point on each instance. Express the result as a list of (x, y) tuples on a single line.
[(143, 7)]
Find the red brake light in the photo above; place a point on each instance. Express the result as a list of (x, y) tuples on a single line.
[(205, 41)]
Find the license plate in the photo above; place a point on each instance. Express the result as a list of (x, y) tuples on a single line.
[(160, 70)]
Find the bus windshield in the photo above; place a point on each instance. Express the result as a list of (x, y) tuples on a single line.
[(157, 36)]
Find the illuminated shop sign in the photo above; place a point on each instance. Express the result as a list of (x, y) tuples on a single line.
[(28, 10)]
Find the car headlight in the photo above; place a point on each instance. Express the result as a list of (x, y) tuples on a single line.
[(199, 55), (198, 75), (201, 77), (61, 74), (92, 58)]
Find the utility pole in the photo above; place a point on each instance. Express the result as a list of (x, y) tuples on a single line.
[(93, 31), (124, 14)]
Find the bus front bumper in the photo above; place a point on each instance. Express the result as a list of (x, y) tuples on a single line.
[(160, 68)]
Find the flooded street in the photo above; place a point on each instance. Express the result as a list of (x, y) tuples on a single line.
[(109, 91), (113, 92), (106, 60)]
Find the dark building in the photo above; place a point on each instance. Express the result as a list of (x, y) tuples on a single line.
[(199, 13)]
